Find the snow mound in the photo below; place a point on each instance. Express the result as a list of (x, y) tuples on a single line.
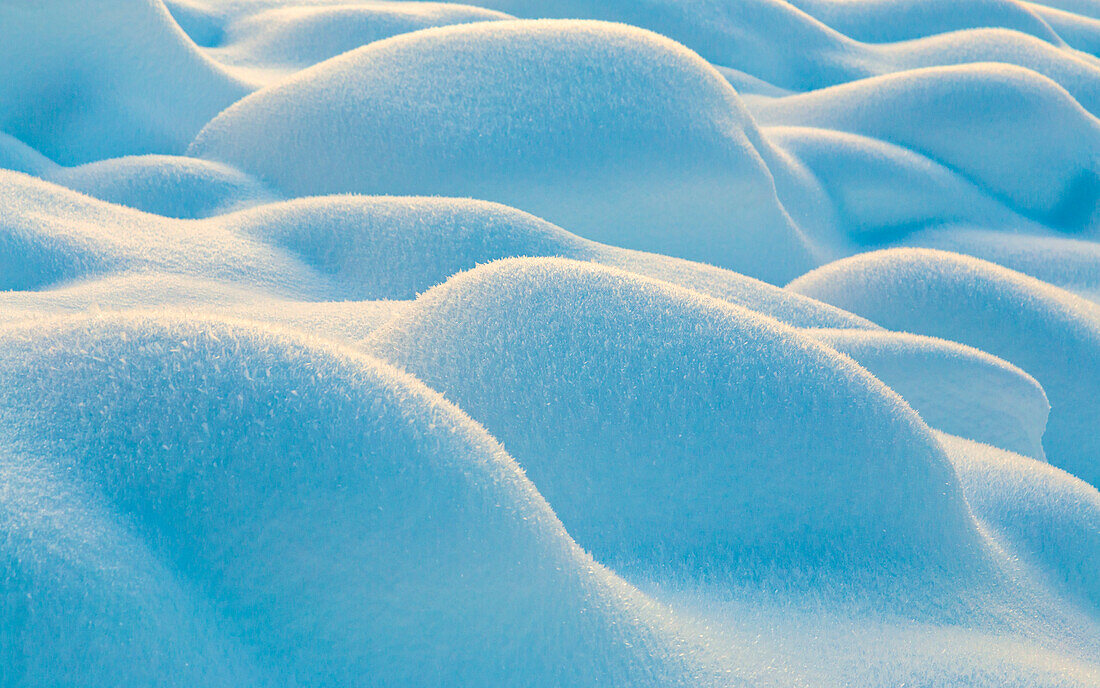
[(18, 156), (344, 321), (768, 39), (165, 185), (1038, 511), (1075, 72), (233, 231), (320, 509), (377, 247), (1072, 264), (657, 422), (50, 235), (517, 112), (887, 21), (397, 247), (954, 388), (168, 185), (85, 601), (343, 247), (791, 45), (1048, 332), (80, 86), (1079, 31), (288, 38), (883, 192), (1036, 153)]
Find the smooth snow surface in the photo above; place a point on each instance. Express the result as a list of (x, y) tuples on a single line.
[(646, 343), (517, 112), (484, 335), (1047, 331)]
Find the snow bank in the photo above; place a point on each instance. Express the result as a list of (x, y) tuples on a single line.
[(81, 86), (322, 508), (165, 185), (50, 235), (286, 38), (1044, 515), (954, 388), (1048, 332), (882, 192), (658, 422), (1036, 153), (517, 112)]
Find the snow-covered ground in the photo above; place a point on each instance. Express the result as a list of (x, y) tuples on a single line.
[(549, 343)]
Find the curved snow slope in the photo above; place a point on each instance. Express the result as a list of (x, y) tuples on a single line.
[(85, 601), (320, 510), (346, 321), (81, 86), (19, 157), (658, 422), (168, 185), (883, 192), (165, 185), (1039, 512), (782, 45), (209, 476), (954, 388), (1050, 333), (1081, 32), (286, 38), (883, 21), (343, 247), (1016, 134), (50, 235), (398, 247), (517, 112), (1073, 264)]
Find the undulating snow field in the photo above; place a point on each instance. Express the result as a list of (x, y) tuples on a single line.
[(550, 343)]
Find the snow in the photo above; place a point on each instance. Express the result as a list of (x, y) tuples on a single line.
[(279, 512), (522, 128), (171, 186), (482, 336), (1019, 135), (1049, 332), (1041, 512), (286, 39), (954, 388), (645, 343), (79, 89)]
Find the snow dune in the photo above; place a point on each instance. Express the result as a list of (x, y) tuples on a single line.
[(955, 388), (1051, 333), (550, 142), (561, 343), (1018, 135), (481, 337), (79, 89), (282, 538)]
